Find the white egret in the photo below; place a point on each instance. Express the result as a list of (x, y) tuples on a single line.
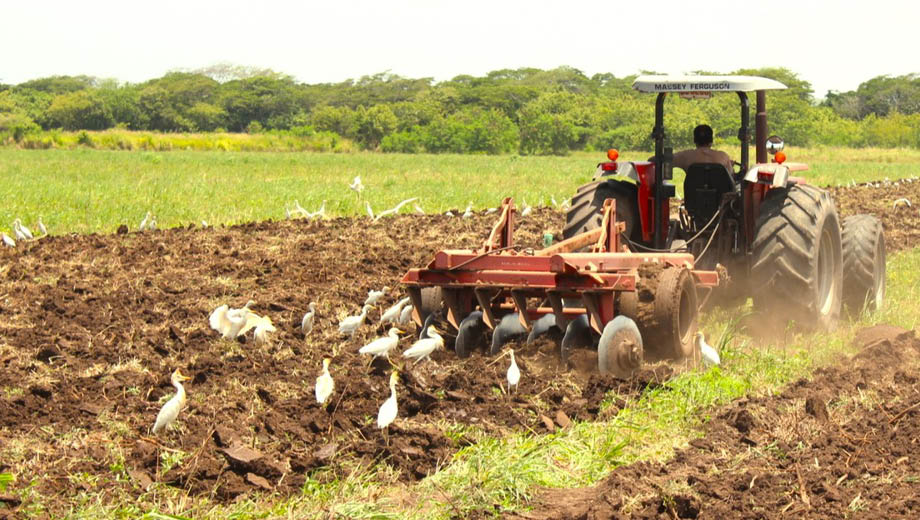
[(145, 223), (300, 209), (324, 383), (469, 210), (230, 322), (367, 206), (389, 408), (418, 209), (710, 355), (383, 345), (152, 225), (373, 296), (41, 226), (171, 409), (204, 223), (287, 213), (392, 314), (901, 202), (566, 204), (320, 213), (24, 230), (514, 373), (552, 199), (263, 328), (405, 315), (489, 211), (307, 322), (526, 211), (448, 213), (356, 185), (18, 231), (423, 348), (349, 325), (8, 240), (395, 209)]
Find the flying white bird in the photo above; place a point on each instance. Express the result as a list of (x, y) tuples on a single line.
[(469, 210), (418, 209), (901, 202), (171, 409), (373, 296), (394, 209), (27, 235), (423, 348), (349, 325), (710, 355), (230, 322), (8, 240), (41, 226), (145, 222), (405, 315), (370, 212), (382, 346), (514, 373), (389, 408), (356, 185), (392, 314), (324, 383), (307, 322), (262, 324)]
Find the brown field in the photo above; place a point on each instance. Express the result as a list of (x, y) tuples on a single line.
[(92, 325)]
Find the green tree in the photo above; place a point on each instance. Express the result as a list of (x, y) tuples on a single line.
[(79, 110)]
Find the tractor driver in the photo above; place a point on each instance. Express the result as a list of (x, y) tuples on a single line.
[(703, 153)]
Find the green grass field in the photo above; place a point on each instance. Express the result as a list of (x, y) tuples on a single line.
[(88, 190)]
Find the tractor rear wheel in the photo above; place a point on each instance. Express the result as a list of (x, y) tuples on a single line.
[(585, 213), (797, 269), (863, 263)]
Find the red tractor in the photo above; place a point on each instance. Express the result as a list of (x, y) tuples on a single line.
[(757, 231)]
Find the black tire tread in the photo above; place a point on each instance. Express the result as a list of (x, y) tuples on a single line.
[(860, 239), (585, 215), (785, 243)]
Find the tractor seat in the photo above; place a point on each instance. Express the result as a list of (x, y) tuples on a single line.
[(703, 189)]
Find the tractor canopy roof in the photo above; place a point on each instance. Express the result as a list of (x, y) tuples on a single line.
[(687, 83)]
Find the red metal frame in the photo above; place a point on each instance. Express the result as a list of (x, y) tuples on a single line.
[(499, 279)]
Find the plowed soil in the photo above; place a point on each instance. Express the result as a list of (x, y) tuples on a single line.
[(91, 327)]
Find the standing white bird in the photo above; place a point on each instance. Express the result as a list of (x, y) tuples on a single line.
[(469, 210), (356, 185), (552, 199), (389, 408), (8, 240), (566, 204), (448, 213), (489, 211), (710, 355), (382, 346), (349, 325), (527, 209), (373, 296), (324, 383), (405, 315), (18, 230), (230, 322), (41, 226), (370, 212), (394, 209), (392, 314), (300, 209), (171, 409), (514, 373), (263, 327), (145, 223), (320, 213), (27, 235), (204, 223), (307, 322), (423, 348)]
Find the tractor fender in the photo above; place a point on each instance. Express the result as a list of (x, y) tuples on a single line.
[(771, 174), (623, 170)]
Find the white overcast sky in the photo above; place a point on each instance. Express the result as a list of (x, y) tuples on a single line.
[(832, 44)]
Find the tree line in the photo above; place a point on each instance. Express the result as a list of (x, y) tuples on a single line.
[(526, 110)]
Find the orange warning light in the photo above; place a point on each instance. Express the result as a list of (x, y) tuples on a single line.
[(612, 154)]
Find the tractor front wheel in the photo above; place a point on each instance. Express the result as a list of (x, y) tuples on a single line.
[(585, 213), (797, 267)]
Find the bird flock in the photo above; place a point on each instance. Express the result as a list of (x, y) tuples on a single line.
[(22, 233)]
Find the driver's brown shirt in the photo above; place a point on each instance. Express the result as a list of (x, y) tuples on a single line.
[(702, 154)]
